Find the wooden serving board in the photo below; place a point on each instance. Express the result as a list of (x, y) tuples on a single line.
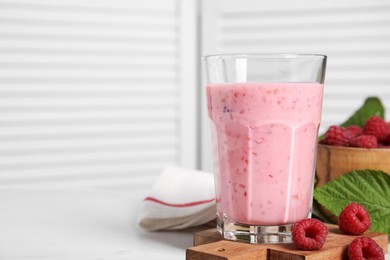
[(209, 245)]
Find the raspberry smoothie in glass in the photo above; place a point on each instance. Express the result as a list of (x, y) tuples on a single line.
[(266, 140), (264, 133)]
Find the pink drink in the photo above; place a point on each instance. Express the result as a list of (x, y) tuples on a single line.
[(266, 147)]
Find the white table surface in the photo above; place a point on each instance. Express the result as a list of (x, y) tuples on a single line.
[(82, 223), (59, 222)]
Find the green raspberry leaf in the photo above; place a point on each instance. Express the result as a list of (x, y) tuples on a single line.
[(367, 187), (371, 107)]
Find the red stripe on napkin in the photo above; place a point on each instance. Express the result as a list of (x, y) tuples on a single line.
[(190, 204)]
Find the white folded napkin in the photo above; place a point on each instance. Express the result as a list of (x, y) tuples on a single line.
[(180, 198)]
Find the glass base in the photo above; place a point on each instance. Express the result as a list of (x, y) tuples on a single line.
[(231, 230)]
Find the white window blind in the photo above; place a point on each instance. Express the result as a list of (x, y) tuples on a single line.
[(92, 89), (354, 34)]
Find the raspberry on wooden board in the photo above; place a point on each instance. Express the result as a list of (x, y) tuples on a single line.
[(309, 234), (365, 248)]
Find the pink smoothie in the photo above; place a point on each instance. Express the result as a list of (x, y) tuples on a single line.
[(264, 141)]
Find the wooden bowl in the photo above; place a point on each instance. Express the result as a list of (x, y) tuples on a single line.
[(334, 161)]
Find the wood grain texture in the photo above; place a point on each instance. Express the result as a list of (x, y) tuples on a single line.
[(206, 237), (334, 161), (207, 247), (224, 249)]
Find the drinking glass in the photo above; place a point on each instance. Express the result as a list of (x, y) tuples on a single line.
[(265, 111)]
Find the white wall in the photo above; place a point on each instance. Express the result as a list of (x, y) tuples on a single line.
[(103, 90), (96, 89)]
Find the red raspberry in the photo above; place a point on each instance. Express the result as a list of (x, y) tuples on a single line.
[(337, 135), (377, 127), (362, 248), (309, 234), (365, 141), (354, 219), (355, 130)]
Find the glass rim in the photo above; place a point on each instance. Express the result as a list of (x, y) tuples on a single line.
[(269, 56)]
